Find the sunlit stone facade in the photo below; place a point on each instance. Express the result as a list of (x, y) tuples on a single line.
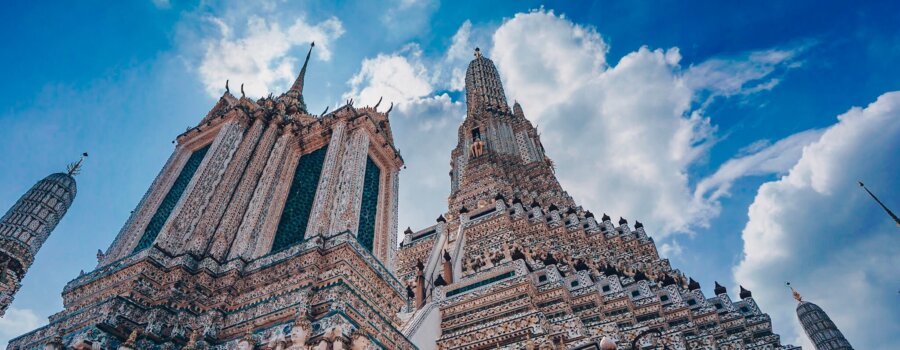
[(268, 228), (27, 225), (516, 264)]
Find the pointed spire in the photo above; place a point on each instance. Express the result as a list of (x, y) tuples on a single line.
[(719, 289), (795, 293), (693, 285), (888, 211), (298, 84), (74, 168), (745, 293)]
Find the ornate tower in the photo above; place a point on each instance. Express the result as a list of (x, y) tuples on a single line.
[(26, 226), (515, 263), (822, 332), (498, 151), (268, 227)]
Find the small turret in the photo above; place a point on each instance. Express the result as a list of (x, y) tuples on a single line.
[(745, 293), (28, 224), (719, 289)]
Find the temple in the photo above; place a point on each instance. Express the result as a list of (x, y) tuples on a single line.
[(271, 228), (822, 332), (28, 224), (268, 227), (515, 263)]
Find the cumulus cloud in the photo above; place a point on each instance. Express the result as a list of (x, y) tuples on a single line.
[(16, 322), (626, 134), (816, 228), (263, 55), (545, 59), (425, 132), (398, 77)]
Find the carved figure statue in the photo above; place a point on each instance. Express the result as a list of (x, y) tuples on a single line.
[(477, 148)]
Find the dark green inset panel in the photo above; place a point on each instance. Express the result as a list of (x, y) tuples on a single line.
[(295, 216), (365, 233), (171, 199)]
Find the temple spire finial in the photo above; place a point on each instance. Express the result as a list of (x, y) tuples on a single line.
[(795, 293), (888, 211), (298, 84), (75, 168)]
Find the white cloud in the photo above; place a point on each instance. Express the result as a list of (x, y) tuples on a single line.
[(625, 135), (764, 159), (545, 59), (398, 77), (742, 75), (425, 132), (162, 4), (263, 57), (816, 228), (16, 322)]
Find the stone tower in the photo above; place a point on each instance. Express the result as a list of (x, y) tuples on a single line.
[(822, 332), (268, 227), (28, 224), (515, 263)]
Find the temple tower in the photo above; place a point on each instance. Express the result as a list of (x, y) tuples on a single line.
[(822, 332), (28, 224), (499, 151), (268, 227), (515, 263)]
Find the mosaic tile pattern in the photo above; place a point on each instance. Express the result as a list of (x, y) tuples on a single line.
[(365, 233), (168, 204), (292, 227)]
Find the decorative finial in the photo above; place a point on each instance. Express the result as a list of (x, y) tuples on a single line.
[(192, 340), (75, 168), (298, 84), (477, 52), (242, 91), (227, 90), (389, 109), (794, 292), (378, 103), (132, 338), (888, 211), (325, 111)]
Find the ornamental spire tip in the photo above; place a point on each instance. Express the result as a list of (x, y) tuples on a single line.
[(75, 168)]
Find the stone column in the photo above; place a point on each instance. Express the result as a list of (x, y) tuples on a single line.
[(203, 231), (227, 227), (348, 192), (420, 285), (319, 215), (244, 243), (197, 194), (448, 267)]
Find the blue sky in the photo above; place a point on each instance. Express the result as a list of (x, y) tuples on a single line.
[(734, 131)]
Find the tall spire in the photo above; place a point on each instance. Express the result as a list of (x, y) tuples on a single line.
[(484, 89), (298, 84), (822, 332), (896, 219), (25, 227), (75, 168)]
